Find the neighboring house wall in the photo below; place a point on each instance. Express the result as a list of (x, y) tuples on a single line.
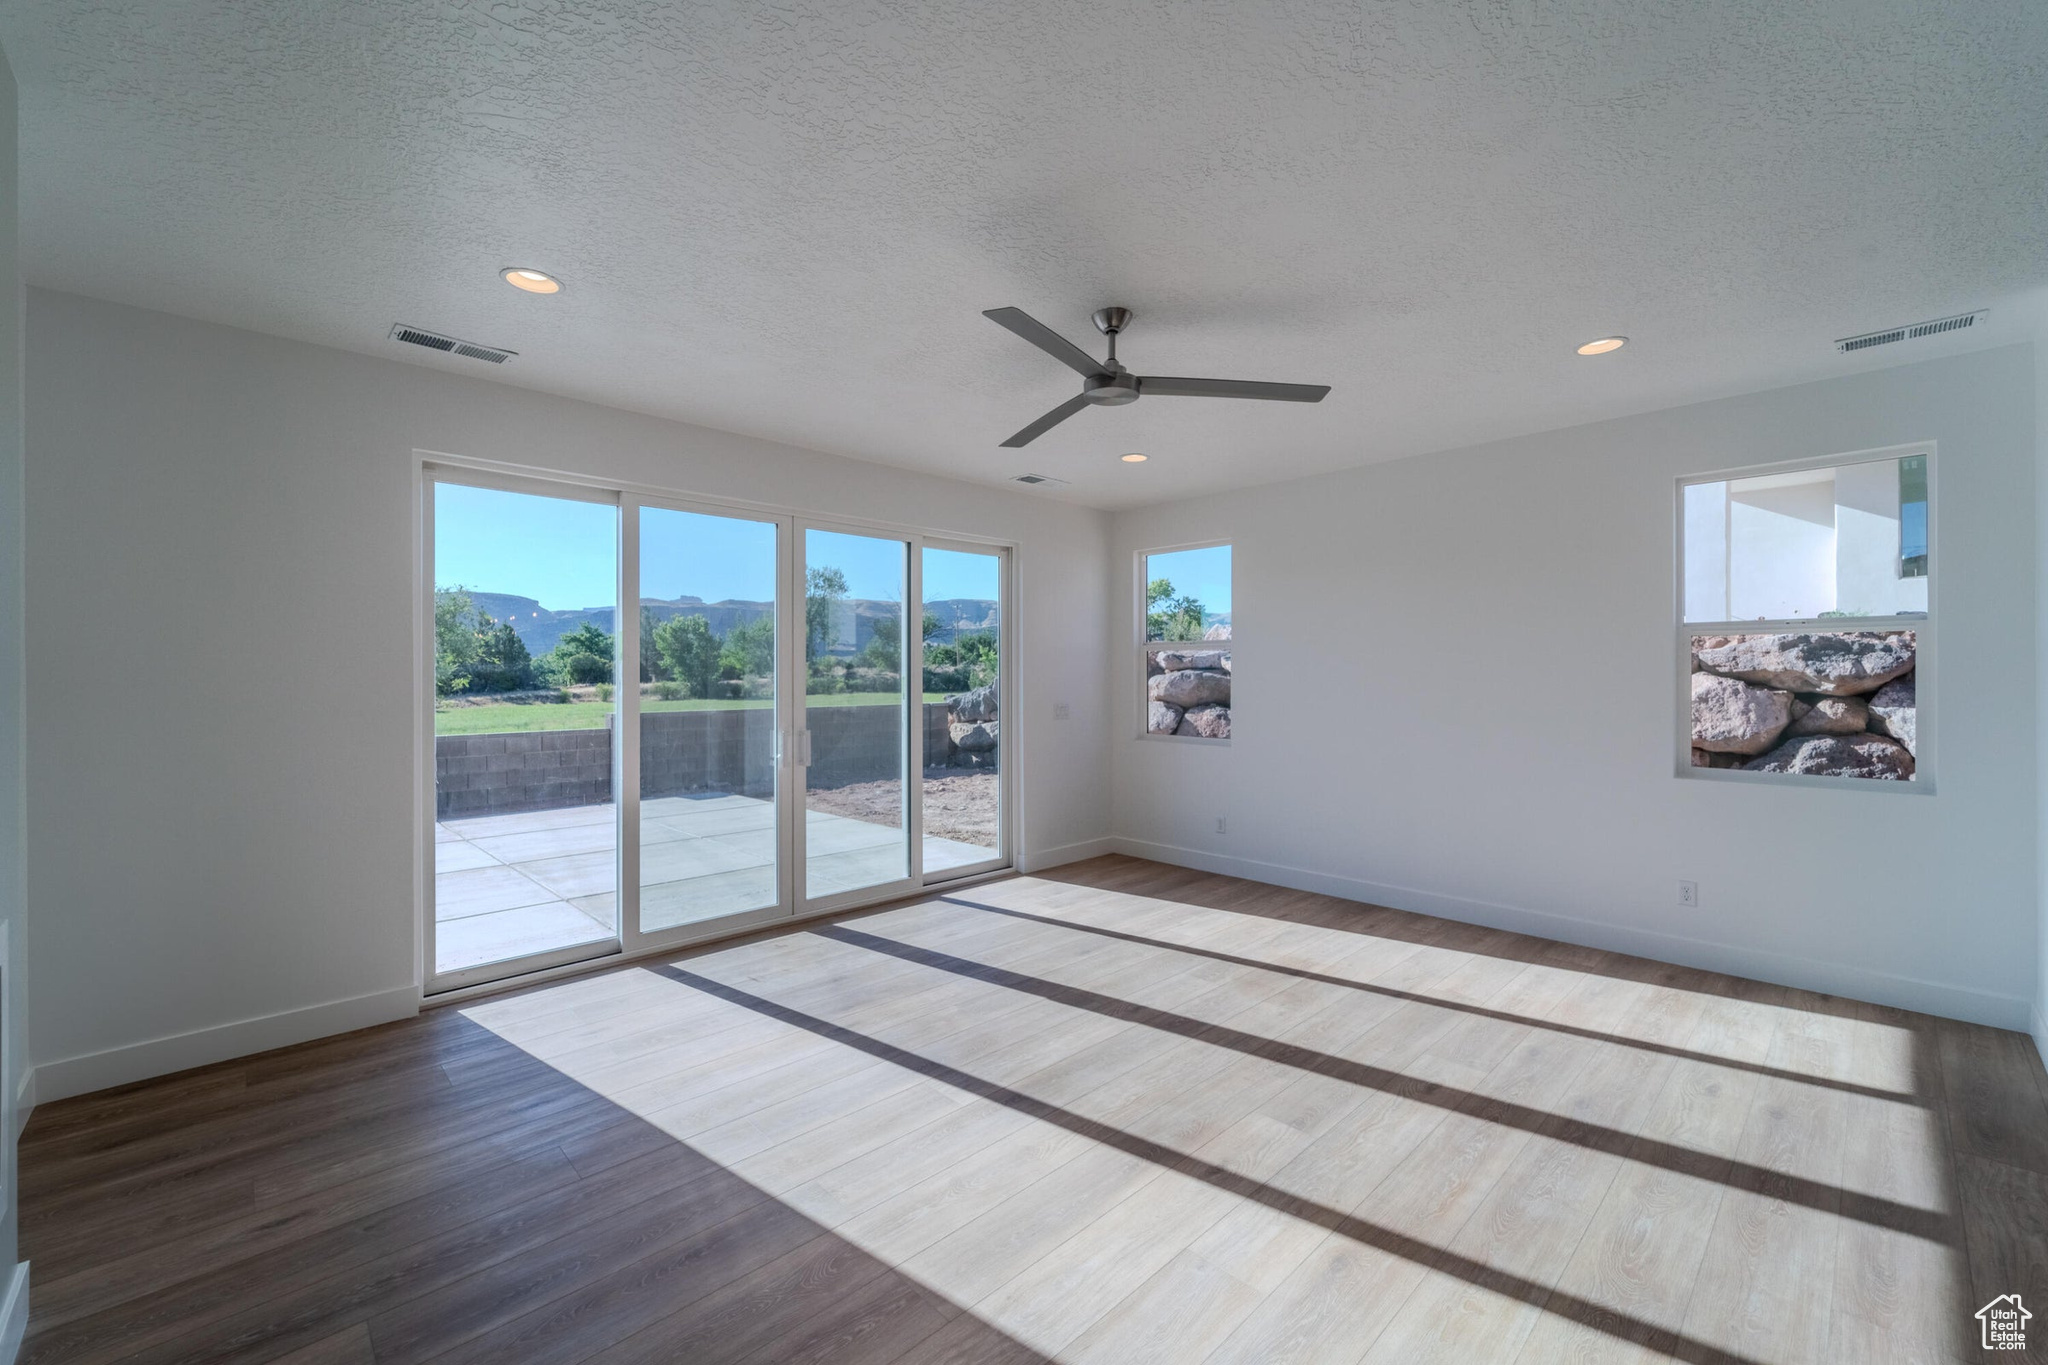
[(1460, 696), (1781, 550), (225, 538), (1706, 552), (1867, 543)]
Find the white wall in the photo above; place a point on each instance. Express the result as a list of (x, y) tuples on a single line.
[(220, 642), (2040, 1012), (1454, 693), (13, 725)]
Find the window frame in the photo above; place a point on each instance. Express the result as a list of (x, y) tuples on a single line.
[(1923, 628), (1149, 647)]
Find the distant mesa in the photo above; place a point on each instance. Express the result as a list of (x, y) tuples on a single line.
[(540, 628)]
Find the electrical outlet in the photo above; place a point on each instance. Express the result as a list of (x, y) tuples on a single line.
[(1689, 893), (1219, 825), (1062, 711)]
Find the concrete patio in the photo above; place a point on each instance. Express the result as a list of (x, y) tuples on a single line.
[(509, 885)]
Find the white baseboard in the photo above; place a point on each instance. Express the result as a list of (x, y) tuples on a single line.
[(182, 1051), (24, 1099), (1856, 983), (14, 1314), (1048, 858)]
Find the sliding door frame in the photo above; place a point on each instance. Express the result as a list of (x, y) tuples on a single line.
[(627, 643), (910, 751), (433, 980), (1006, 694), (430, 467)]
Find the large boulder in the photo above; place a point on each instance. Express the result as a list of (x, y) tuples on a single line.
[(1173, 660), (978, 704), (1837, 664), (1730, 717), (1206, 722), (1866, 755), (976, 739), (1161, 719), (1152, 665), (1829, 716), (1190, 687), (1895, 711)]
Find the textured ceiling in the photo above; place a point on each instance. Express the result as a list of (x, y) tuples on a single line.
[(786, 219)]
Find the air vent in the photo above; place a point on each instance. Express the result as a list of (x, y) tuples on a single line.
[(1039, 478), (1910, 332), (434, 341)]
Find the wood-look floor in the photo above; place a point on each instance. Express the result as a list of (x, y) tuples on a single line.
[(1122, 1112)]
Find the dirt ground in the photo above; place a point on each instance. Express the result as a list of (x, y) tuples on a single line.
[(959, 803)]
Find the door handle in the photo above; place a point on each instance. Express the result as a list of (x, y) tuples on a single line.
[(803, 748)]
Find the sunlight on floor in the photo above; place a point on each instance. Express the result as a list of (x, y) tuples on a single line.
[(1120, 1127)]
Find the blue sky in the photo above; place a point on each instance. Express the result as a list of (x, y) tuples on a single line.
[(564, 554), (1201, 574)]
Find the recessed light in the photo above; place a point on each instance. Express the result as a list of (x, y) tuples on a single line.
[(1133, 458), (1603, 345), (532, 281)]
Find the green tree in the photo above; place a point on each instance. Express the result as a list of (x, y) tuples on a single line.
[(823, 587), (457, 628), (503, 663), (689, 651), (977, 648), (884, 649), (584, 655), (1168, 617), (749, 649), (650, 657)]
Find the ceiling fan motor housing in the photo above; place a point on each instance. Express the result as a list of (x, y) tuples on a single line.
[(1111, 390)]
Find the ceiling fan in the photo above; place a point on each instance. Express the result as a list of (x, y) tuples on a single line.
[(1108, 384)]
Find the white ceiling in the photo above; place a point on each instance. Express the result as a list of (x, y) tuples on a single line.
[(786, 219)]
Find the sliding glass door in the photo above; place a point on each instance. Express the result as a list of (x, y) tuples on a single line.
[(962, 803), (525, 870), (656, 721), (709, 821), (855, 751)]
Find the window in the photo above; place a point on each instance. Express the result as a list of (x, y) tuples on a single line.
[(1184, 655), (1913, 517), (1804, 619)]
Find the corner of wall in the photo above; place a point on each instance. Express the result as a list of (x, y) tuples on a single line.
[(2040, 1011)]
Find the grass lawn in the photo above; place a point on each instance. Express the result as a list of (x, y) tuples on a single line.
[(509, 717)]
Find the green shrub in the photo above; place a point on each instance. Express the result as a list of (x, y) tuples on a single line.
[(957, 678)]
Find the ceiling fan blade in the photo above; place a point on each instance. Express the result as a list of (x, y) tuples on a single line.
[(1166, 386), (1045, 339), (1049, 421)]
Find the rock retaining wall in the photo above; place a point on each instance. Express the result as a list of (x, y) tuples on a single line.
[(1187, 692), (967, 733), (1824, 703)]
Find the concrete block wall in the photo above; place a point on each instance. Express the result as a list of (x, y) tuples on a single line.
[(680, 751), (538, 770), (854, 744), (694, 751)]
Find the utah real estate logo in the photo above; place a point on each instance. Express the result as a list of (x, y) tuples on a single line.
[(2005, 1323)]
